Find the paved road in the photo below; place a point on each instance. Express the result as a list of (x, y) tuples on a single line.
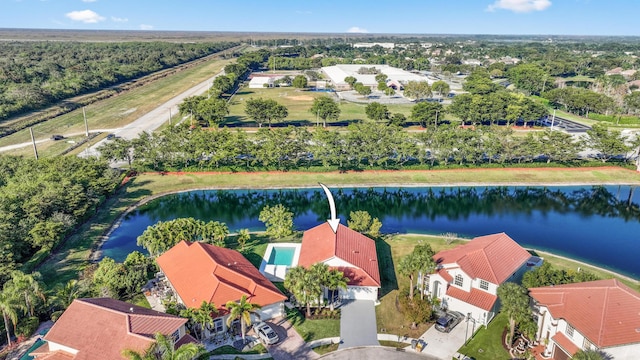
[(375, 352), (153, 119), (21, 145)]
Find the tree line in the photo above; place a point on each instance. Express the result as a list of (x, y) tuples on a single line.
[(363, 145), (37, 74)]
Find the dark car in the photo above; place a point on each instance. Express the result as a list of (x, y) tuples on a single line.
[(448, 321), (57, 137), (111, 136)]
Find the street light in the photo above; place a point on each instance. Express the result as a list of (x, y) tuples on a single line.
[(473, 329)]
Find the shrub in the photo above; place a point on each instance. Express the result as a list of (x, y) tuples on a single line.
[(26, 327)]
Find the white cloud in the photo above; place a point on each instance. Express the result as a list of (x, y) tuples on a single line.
[(520, 6), (117, 19), (89, 0), (355, 29), (85, 16), (146, 27)]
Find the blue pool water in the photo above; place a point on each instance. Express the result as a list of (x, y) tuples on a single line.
[(27, 355), (281, 255)]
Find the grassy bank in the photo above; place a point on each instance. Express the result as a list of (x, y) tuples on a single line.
[(72, 257)]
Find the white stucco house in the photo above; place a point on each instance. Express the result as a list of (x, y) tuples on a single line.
[(348, 251), (599, 315), (467, 277)]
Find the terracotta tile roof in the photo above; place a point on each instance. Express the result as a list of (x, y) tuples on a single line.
[(605, 311), (320, 244), (492, 257), (187, 339), (57, 355), (102, 328), (475, 297), (565, 343), (445, 275), (202, 272)]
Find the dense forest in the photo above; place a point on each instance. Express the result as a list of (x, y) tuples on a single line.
[(37, 74), (42, 201)]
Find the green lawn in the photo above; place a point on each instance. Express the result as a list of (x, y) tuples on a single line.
[(298, 103), (390, 251), (313, 329), (230, 350), (325, 349), (487, 342)]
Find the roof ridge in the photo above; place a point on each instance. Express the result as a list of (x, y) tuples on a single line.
[(491, 270), (605, 309)]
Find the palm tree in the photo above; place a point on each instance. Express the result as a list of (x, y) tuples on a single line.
[(26, 286), (590, 355), (241, 310), (409, 266), (515, 303), (64, 294), (164, 349), (9, 307), (303, 285), (320, 272), (426, 265), (203, 316), (335, 280)]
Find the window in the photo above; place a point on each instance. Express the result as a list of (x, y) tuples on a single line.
[(484, 285), (570, 331), (458, 280), (217, 325), (176, 335), (587, 345)]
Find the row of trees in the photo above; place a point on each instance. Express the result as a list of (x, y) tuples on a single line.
[(363, 145), (307, 284), (37, 74), (163, 235), (42, 201)]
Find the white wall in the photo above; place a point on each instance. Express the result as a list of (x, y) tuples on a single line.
[(271, 311), (337, 262), (481, 316), (360, 293), (56, 347), (624, 352)]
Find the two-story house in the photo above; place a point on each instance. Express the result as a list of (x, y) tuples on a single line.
[(598, 315), (467, 277), (100, 329)]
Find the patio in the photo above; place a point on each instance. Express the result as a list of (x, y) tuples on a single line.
[(157, 290)]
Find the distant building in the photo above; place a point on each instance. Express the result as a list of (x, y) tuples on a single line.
[(370, 45), (467, 277), (259, 82), (338, 73), (596, 315), (100, 329)]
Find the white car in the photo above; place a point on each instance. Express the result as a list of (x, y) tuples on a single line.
[(266, 333)]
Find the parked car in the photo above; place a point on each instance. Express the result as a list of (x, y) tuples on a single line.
[(111, 136), (57, 137), (448, 321), (266, 333)]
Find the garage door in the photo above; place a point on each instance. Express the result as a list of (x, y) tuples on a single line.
[(361, 293)]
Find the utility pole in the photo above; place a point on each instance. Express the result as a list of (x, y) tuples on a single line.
[(33, 140), (86, 125)]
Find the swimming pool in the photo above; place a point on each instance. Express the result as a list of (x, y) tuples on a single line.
[(277, 260), (37, 344), (281, 256)]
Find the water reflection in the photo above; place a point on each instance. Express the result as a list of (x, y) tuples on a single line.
[(600, 224)]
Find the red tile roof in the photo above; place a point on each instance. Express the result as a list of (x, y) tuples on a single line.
[(320, 244), (202, 272), (565, 343), (492, 257), (102, 328), (445, 275), (604, 311), (475, 297)]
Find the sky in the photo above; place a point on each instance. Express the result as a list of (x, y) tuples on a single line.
[(518, 17)]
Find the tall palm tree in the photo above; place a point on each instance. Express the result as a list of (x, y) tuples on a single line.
[(203, 316), (163, 349), (26, 286), (409, 266), (241, 310), (304, 285), (515, 303), (335, 280), (590, 355), (9, 307), (425, 263)]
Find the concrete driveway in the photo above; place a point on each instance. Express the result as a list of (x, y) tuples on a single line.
[(358, 324), (445, 345)]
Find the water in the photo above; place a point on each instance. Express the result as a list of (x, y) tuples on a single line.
[(281, 255), (27, 355), (599, 225)]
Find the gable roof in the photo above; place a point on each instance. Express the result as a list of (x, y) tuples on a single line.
[(202, 272), (476, 297), (320, 244), (101, 328), (605, 311), (492, 257)]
